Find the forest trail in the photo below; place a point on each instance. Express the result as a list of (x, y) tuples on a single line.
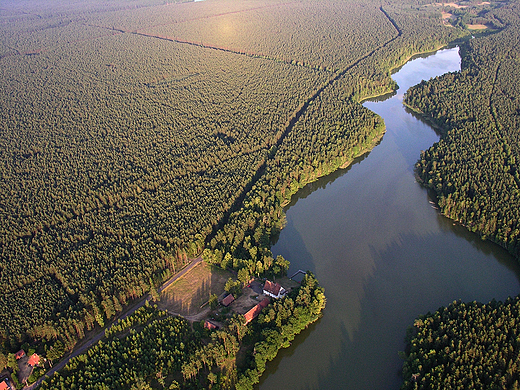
[(288, 127), (101, 333)]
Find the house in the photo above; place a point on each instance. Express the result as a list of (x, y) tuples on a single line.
[(255, 310), (228, 300), (34, 359), (274, 290), (20, 354), (210, 325), (4, 385)]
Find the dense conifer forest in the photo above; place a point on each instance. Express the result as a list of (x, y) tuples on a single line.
[(465, 346), (135, 136), (122, 152), (474, 168)]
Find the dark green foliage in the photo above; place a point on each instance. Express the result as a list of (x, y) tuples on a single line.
[(465, 346), (127, 358), (141, 316), (124, 150), (474, 168), (56, 351), (260, 340)]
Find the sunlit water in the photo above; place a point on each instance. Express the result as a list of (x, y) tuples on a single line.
[(383, 254)]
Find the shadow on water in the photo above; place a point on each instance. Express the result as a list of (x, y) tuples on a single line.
[(324, 181), (272, 366), (293, 241), (483, 246), (415, 274), (383, 255)]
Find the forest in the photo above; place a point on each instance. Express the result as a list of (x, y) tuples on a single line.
[(120, 158), (152, 343), (135, 136), (465, 346), (474, 168)]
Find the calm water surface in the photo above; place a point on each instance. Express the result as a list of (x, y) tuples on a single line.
[(383, 254)]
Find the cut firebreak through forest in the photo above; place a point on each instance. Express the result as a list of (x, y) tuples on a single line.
[(165, 139)]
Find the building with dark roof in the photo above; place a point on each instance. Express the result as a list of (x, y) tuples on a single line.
[(228, 300), (20, 354)]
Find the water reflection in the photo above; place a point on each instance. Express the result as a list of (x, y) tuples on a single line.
[(323, 182), (383, 254)]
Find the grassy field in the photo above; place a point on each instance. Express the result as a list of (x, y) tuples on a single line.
[(189, 293)]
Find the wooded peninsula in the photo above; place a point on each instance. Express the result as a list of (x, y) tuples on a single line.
[(136, 136)]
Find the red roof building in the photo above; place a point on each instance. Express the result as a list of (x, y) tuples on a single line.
[(20, 354), (210, 325), (228, 300), (4, 385), (273, 289), (34, 360), (256, 310)]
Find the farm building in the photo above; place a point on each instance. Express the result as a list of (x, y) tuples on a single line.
[(273, 290), (256, 310), (228, 300)]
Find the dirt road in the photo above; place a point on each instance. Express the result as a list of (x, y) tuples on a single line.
[(83, 348)]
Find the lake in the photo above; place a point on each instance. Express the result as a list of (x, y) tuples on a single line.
[(383, 254)]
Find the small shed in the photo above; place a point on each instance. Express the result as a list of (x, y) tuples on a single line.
[(210, 325), (228, 300), (20, 354)]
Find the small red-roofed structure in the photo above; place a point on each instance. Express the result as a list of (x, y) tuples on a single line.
[(228, 300), (34, 359), (20, 354), (273, 289), (4, 385), (210, 325)]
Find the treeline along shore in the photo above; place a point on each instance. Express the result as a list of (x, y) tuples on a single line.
[(473, 170), (125, 154)]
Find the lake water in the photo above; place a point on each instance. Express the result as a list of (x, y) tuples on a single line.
[(383, 254)]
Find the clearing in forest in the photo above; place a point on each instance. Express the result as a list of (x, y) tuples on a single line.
[(477, 26), (189, 293)]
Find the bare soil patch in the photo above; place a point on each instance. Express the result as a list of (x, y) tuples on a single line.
[(454, 5), (446, 16), (191, 291), (246, 301), (477, 26)]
